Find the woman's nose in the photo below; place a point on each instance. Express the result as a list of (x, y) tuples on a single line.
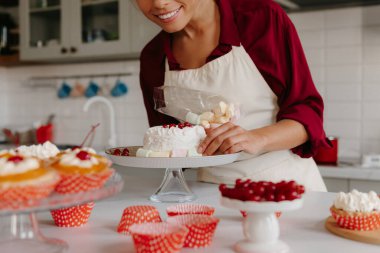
[(161, 4)]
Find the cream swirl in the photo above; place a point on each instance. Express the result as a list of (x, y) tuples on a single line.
[(13, 168), (166, 139), (356, 201), (41, 151), (69, 158)]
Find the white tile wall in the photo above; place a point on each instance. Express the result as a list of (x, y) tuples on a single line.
[(26, 105), (345, 63)]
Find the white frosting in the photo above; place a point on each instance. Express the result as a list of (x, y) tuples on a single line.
[(69, 158), (41, 151), (356, 201), (160, 139), (11, 168)]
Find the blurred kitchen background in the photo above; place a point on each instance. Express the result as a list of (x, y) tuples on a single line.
[(57, 54)]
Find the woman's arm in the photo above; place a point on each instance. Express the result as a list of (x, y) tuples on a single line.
[(229, 138)]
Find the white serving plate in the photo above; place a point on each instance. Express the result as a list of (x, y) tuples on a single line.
[(171, 162)]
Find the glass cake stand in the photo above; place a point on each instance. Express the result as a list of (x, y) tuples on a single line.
[(173, 188), (19, 229)]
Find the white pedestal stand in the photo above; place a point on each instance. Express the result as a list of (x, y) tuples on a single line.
[(261, 227)]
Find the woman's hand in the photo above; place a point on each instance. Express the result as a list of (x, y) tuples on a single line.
[(229, 138)]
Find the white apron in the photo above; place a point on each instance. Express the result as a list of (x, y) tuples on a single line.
[(236, 77)]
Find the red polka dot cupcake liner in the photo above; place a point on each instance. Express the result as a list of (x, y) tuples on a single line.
[(137, 215), (73, 183), (184, 209), (201, 229), (244, 213), (356, 220), (75, 216), (26, 196), (158, 237)]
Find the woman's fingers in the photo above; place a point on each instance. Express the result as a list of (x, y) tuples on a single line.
[(225, 140), (236, 148), (235, 137), (212, 134)]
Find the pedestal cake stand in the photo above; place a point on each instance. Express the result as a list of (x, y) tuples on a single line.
[(173, 187), (19, 230), (261, 227)]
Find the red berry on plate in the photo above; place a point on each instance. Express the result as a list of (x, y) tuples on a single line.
[(259, 190), (300, 189), (222, 187), (255, 198), (238, 181), (15, 159), (172, 125), (187, 124), (165, 126), (117, 152), (270, 197), (291, 184), (291, 194), (83, 155), (125, 152), (280, 197)]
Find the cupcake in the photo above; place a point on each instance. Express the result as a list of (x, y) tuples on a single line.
[(24, 179), (357, 210), (81, 170)]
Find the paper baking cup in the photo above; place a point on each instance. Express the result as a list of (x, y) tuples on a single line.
[(183, 209), (75, 216), (21, 196), (73, 183), (137, 215), (158, 237), (244, 213), (201, 228), (356, 220)]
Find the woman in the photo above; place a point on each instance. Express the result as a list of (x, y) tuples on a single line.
[(247, 51)]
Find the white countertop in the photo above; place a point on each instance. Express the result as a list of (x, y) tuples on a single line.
[(349, 171), (303, 230)]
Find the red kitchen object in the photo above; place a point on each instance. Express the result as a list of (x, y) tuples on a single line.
[(45, 133), (328, 155)]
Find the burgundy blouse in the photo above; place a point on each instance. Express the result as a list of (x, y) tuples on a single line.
[(270, 38)]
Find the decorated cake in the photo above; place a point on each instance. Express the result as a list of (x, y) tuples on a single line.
[(172, 140), (357, 210)]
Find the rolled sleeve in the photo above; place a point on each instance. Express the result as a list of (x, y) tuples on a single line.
[(275, 48)]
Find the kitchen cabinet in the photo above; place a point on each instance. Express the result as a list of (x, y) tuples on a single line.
[(67, 30)]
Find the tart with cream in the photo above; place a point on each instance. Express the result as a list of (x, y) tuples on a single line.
[(24, 178), (357, 210)]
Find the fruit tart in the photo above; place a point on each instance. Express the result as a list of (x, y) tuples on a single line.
[(357, 210), (81, 169), (23, 179)]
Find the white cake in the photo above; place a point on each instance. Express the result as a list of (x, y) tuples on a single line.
[(180, 140)]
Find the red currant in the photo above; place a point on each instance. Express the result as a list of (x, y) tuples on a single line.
[(172, 125), (83, 155), (280, 197), (125, 152), (117, 152), (165, 126), (300, 189), (269, 197), (222, 187), (15, 159)]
